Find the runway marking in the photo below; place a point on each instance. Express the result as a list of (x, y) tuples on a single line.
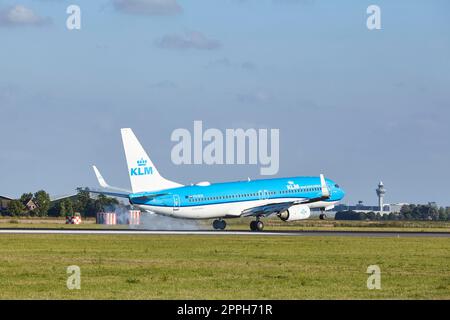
[(229, 233)]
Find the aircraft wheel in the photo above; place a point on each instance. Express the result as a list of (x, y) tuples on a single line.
[(216, 224), (253, 225), (259, 226), (322, 216), (222, 224)]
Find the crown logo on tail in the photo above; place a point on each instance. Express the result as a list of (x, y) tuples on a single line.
[(141, 162)]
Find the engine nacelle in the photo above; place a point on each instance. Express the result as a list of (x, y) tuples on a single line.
[(297, 212)]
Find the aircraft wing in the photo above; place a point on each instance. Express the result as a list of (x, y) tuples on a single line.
[(268, 209), (275, 207)]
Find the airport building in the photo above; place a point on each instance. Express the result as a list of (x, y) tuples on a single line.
[(4, 202), (387, 208), (382, 208), (30, 204)]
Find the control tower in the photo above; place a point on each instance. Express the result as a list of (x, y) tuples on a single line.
[(380, 193)]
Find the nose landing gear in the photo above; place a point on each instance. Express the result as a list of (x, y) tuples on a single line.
[(219, 224)]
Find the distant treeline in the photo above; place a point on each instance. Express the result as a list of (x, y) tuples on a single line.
[(426, 212), (39, 205)]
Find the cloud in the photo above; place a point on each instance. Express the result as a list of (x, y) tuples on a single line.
[(223, 62), (303, 2), (249, 66), (7, 93), (226, 63), (190, 40), (148, 7), (102, 46), (20, 15), (165, 84), (254, 97)]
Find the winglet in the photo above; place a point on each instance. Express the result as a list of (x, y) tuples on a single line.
[(323, 184)]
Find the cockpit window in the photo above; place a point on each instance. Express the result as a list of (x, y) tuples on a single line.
[(337, 186)]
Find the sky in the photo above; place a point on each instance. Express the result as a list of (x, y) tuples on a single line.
[(358, 105)]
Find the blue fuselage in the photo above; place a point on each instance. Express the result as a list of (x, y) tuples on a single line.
[(241, 191)]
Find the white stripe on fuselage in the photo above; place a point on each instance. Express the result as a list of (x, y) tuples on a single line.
[(221, 210)]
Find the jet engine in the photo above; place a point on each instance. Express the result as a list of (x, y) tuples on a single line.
[(297, 212)]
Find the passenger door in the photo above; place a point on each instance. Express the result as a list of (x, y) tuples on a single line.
[(176, 202), (263, 194)]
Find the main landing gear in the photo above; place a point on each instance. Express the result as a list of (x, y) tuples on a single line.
[(219, 224), (257, 225), (322, 215)]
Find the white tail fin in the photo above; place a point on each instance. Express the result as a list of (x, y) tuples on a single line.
[(143, 174)]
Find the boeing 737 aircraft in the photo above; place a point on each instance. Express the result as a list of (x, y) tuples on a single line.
[(288, 198)]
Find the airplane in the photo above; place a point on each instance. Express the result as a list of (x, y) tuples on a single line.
[(290, 198)]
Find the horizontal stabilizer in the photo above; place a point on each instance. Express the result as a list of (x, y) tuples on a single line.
[(143, 197), (111, 194), (102, 182)]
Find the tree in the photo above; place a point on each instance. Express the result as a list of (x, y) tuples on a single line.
[(26, 197), (62, 208), (89, 207), (349, 215), (69, 206), (16, 208), (392, 216), (442, 214), (42, 200), (103, 202), (84, 204), (65, 208), (433, 213), (371, 215)]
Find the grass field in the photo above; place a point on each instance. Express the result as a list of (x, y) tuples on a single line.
[(223, 267), (243, 224)]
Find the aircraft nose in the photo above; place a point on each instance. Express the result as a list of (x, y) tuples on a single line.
[(341, 193)]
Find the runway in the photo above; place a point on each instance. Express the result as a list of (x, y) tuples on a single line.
[(228, 233)]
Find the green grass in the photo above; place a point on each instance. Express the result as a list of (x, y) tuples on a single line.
[(341, 225), (59, 226), (243, 224), (222, 267)]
